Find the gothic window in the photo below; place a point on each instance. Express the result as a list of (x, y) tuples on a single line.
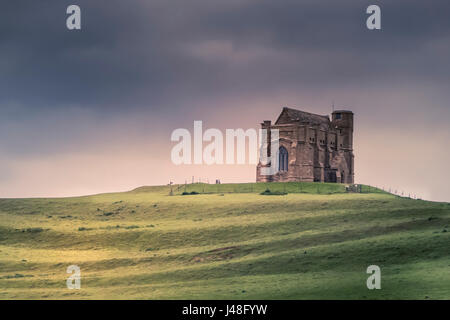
[(282, 159)]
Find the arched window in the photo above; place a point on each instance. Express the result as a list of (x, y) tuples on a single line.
[(282, 159)]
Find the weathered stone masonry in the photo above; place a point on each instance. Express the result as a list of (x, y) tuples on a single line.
[(312, 148)]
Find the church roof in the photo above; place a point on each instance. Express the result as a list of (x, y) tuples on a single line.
[(289, 115)]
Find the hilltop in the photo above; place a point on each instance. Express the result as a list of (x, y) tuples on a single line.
[(226, 242)]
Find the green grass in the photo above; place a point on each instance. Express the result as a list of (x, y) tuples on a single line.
[(289, 187), (227, 242)]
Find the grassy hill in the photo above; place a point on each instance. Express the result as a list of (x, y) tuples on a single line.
[(230, 241)]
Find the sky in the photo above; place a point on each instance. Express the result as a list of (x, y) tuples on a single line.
[(92, 110)]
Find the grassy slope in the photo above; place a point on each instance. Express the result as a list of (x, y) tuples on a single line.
[(313, 244)]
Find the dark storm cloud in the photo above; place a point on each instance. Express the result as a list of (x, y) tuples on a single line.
[(73, 103), (159, 53)]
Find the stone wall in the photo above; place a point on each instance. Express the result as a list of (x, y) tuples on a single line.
[(319, 149)]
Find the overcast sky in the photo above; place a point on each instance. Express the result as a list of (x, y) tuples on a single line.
[(92, 111)]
